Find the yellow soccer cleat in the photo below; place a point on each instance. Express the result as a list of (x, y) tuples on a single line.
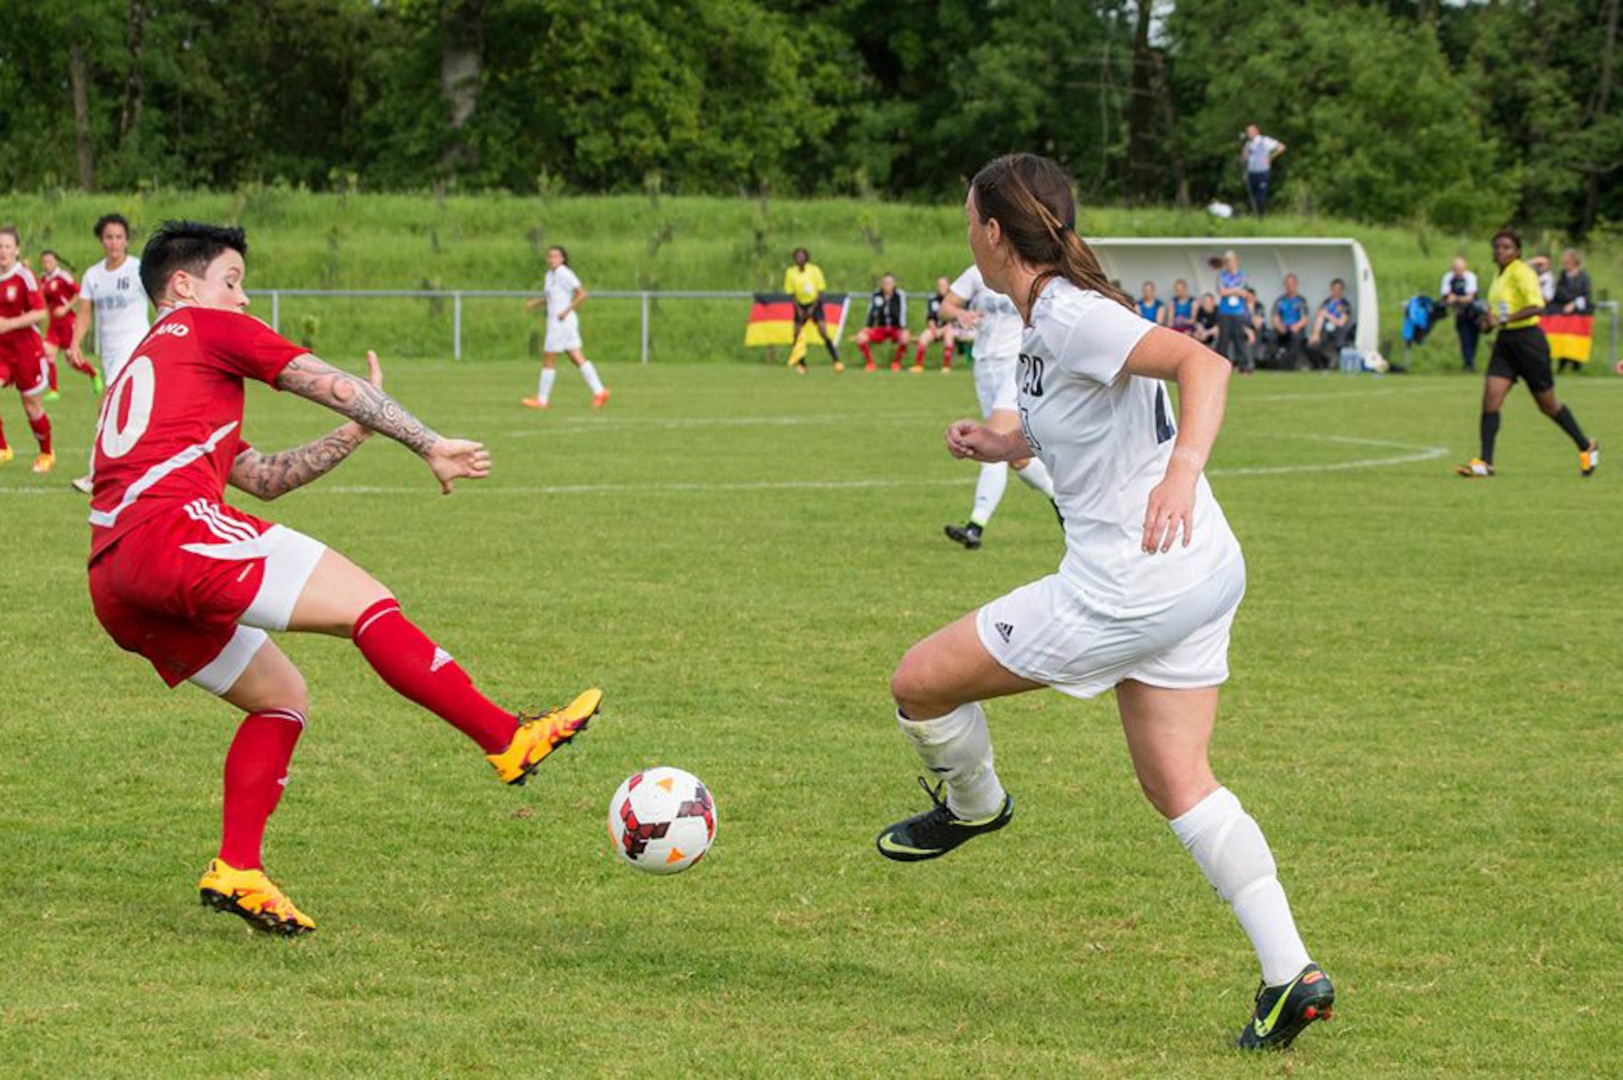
[(254, 897), (1474, 469), (44, 462), (6, 454), (539, 736), (1589, 459)]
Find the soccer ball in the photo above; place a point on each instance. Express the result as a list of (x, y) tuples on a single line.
[(662, 820)]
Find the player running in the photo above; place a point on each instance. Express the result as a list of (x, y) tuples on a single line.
[(1144, 598), (804, 283), (22, 358), (112, 289), (936, 329), (887, 321), (1521, 351), (997, 352), (563, 296), (192, 584), (60, 290)]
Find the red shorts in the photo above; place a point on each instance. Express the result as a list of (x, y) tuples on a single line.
[(882, 334), (26, 373), (60, 333), (194, 588)]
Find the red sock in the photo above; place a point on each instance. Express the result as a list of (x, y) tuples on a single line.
[(51, 364), (901, 354), (255, 774), (946, 353), (416, 668), (42, 432), (867, 353), (918, 357), (3, 444)]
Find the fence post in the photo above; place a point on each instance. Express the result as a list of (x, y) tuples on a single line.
[(645, 327), (456, 326), (276, 311)]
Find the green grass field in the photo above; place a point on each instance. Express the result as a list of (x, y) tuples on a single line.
[(304, 240), (1423, 716)]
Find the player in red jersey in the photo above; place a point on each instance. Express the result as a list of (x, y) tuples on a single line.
[(22, 360), (60, 292), (192, 583)]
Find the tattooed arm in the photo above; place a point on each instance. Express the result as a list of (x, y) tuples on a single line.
[(365, 403), (270, 475)]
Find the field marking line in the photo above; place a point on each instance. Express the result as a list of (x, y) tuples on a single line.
[(1413, 452)]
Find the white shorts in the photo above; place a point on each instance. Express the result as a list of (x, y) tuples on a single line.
[(114, 355), (562, 336), (1047, 632), (996, 385)]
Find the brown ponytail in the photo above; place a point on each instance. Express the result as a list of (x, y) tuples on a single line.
[(1031, 198)]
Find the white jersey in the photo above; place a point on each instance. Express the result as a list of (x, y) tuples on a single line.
[(997, 336), (560, 289), (120, 304), (1107, 439)]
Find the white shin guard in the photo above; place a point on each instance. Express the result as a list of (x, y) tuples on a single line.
[(1230, 849), (957, 748), (989, 488)]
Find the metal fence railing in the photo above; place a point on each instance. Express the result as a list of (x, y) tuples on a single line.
[(457, 296)]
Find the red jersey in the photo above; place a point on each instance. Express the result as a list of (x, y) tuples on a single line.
[(19, 294), (171, 424), (60, 290)]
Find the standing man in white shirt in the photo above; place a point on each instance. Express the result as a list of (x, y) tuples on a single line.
[(562, 295), (1259, 154), (1459, 293), (112, 289)]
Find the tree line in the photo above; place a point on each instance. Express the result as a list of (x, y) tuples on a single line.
[(1460, 115)]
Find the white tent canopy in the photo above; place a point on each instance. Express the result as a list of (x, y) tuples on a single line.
[(1265, 262)]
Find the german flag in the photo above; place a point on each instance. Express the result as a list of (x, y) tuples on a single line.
[(772, 320), (1570, 336)]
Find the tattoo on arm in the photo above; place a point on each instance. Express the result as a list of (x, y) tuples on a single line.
[(353, 396), (270, 475)]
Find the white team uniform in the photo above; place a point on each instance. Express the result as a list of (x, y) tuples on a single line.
[(560, 290), (997, 341), (1112, 612), (120, 304)]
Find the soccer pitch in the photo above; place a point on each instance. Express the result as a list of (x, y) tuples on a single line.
[(1423, 716)]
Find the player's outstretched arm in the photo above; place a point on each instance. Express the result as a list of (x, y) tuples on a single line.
[(268, 476), (313, 378)]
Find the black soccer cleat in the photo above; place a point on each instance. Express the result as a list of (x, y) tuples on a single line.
[(968, 535), (1283, 1011), (937, 831)]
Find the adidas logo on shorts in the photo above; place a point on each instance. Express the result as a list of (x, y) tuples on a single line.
[(1004, 631)]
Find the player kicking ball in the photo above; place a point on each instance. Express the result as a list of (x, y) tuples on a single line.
[(1143, 601), (193, 584)]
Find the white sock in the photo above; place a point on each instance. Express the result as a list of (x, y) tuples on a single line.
[(989, 492), (589, 373), (1230, 849), (548, 377), (957, 748), (1037, 477)]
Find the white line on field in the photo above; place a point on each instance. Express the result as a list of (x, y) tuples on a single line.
[(575, 427), (1412, 452)]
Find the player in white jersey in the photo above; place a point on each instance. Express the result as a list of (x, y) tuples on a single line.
[(1144, 598), (112, 289), (997, 352), (562, 295)]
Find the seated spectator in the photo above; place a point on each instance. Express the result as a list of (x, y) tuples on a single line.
[(1332, 328), (1150, 308), (1183, 308), (1206, 321), (1289, 325)]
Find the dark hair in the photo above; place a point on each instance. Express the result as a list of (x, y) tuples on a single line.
[(51, 253), (111, 219), (185, 245), (12, 231), (1337, 281), (1509, 234), (799, 251), (1030, 196), (559, 248)]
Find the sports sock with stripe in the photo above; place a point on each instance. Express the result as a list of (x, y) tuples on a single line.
[(416, 668), (957, 748), (1230, 849), (255, 776)]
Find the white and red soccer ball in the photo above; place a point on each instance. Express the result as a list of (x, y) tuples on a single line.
[(662, 820)]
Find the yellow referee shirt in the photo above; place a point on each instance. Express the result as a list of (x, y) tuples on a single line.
[(807, 285), (1515, 288)]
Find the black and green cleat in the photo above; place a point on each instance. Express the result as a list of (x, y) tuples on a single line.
[(1283, 1011), (937, 831)]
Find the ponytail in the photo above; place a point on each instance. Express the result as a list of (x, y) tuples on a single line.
[(1031, 198)]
